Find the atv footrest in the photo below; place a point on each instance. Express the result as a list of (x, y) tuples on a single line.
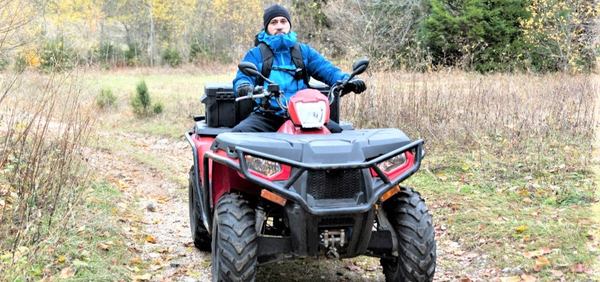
[(272, 248), (381, 242)]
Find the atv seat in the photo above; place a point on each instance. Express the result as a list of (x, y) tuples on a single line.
[(201, 128)]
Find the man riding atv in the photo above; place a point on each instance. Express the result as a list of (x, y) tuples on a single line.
[(289, 64), (258, 197)]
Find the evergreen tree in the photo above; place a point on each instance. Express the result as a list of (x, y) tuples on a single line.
[(484, 35)]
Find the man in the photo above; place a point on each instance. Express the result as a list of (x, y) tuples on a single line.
[(292, 65)]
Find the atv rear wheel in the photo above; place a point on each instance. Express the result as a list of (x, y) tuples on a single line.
[(199, 233), (416, 238), (234, 240)]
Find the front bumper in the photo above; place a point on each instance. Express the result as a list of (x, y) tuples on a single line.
[(377, 188)]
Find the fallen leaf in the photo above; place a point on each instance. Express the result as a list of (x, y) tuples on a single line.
[(521, 228), (465, 279), (578, 268), (353, 267), (135, 261), (528, 278), (442, 176), (537, 253), (510, 279), (61, 259), (103, 246), (67, 272), (556, 273), (465, 167), (163, 199), (150, 239), (540, 263), (144, 277), (122, 185), (158, 261)]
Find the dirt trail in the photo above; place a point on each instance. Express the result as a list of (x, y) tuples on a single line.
[(159, 191)]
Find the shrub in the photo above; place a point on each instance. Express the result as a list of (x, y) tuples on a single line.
[(171, 56), (484, 35), (3, 63), (142, 103), (157, 108), (197, 52), (141, 100), (107, 54), (132, 55), (20, 64), (39, 193), (56, 56), (106, 98)]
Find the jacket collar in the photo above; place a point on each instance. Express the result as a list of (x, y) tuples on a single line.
[(282, 42)]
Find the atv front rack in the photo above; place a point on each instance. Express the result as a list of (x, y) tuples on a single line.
[(283, 187)]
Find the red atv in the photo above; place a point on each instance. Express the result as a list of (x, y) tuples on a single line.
[(303, 191)]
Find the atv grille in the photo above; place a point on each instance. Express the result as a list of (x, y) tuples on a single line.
[(335, 184)]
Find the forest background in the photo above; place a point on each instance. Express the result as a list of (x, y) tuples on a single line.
[(480, 35)]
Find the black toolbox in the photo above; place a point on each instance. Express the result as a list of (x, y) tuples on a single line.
[(221, 110)]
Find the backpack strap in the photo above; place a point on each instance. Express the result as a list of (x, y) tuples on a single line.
[(267, 58), (297, 59)]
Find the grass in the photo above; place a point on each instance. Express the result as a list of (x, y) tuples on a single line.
[(180, 93), (503, 219), (91, 247)]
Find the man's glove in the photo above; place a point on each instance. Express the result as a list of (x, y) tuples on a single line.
[(356, 85), (244, 90)]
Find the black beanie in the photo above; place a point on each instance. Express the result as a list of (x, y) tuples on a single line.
[(274, 11)]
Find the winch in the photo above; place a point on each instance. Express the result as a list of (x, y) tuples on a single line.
[(331, 239)]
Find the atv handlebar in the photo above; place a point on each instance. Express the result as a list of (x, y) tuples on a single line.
[(252, 96), (273, 89)]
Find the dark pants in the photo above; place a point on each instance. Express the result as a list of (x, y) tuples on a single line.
[(263, 122)]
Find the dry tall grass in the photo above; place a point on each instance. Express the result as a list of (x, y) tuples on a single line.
[(44, 121), (522, 124), (465, 108)]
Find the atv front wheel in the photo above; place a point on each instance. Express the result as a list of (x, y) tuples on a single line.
[(234, 240), (416, 238), (199, 233)]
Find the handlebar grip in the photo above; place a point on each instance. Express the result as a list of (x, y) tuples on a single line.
[(243, 98)]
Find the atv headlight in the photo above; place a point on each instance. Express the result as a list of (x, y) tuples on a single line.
[(393, 163), (311, 115), (262, 166)]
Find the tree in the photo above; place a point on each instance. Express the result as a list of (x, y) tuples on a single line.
[(384, 30), (561, 34), (484, 35)]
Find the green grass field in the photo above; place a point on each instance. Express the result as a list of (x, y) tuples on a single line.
[(179, 93)]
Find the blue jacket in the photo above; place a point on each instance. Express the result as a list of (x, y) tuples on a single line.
[(282, 69)]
